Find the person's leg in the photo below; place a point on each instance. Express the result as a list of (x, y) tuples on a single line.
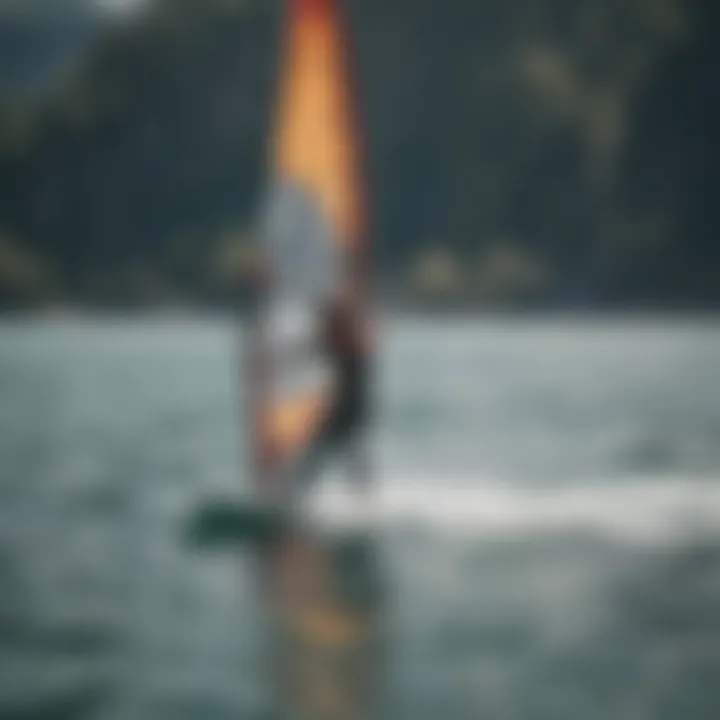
[(358, 479), (358, 461)]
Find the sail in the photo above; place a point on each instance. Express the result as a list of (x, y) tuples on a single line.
[(312, 229)]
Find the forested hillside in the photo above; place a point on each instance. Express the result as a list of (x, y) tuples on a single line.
[(560, 153)]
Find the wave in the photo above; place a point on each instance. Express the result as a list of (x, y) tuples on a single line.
[(641, 509)]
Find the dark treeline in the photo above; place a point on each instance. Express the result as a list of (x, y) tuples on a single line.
[(539, 154)]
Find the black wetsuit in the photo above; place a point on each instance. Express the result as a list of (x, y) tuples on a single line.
[(349, 411), (347, 417)]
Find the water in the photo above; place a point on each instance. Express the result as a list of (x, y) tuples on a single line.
[(548, 504)]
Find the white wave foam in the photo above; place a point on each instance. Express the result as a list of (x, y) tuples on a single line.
[(639, 509)]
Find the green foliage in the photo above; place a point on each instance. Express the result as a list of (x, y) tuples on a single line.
[(23, 276), (18, 131), (584, 131)]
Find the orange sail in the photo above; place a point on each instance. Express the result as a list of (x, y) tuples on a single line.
[(313, 220), (314, 142)]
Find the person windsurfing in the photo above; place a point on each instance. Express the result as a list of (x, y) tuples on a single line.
[(343, 340)]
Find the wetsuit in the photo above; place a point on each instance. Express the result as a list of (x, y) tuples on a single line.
[(347, 415), (349, 411)]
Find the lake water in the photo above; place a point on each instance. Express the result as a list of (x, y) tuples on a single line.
[(548, 505)]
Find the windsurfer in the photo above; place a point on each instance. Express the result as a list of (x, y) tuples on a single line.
[(344, 341)]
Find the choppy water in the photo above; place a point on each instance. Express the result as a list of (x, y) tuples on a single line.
[(549, 506)]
